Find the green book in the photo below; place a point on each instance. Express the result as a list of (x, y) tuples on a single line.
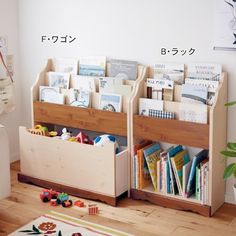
[(197, 189)]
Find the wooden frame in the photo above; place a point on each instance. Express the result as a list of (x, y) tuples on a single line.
[(210, 136), (52, 162)]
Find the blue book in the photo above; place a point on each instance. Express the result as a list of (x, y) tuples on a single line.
[(171, 181), (197, 159)]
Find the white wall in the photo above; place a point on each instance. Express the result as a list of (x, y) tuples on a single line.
[(127, 29), (9, 28)]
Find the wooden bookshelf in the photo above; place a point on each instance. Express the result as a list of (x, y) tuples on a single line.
[(210, 136)]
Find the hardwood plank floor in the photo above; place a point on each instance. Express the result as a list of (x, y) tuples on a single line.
[(135, 217)]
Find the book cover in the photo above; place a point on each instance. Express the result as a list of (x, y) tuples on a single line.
[(66, 65), (110, 102), (144, 175), (58, 79), (169, 71), (86, 83), (51, 94), (152, 155), (79, 98), (186, 171), (192, 93), (158, 173), (204, 71), (192, 175), (193, 112), (123, 69), (171, 181), (92, 66), (146, 104), (160, 89), (178, 161)]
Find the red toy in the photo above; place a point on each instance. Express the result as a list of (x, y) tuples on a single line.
[(79, 203), (53, 201), (48, 194), (67, 203), (83, 138), (92, 209)]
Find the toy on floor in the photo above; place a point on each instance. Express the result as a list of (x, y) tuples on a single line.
[(47, 194), (83, 138), (106, 138), (63, 199), (53, 201), (79, 203), (92, 209), (39, 130), (65, 134)]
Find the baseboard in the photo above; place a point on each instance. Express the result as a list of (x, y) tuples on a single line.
[(230, 199)]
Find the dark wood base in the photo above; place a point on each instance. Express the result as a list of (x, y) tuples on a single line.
[(169, 202), (71, 190)]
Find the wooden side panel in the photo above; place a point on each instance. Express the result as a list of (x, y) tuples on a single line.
[(121, 172), (82, 166), (172, 131), (82, 118), (218, 137)]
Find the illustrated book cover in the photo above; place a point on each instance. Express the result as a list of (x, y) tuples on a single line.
[(110, 102)]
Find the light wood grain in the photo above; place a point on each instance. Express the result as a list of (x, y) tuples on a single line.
[(132, 216)]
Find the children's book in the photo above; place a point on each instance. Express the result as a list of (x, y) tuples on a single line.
[(58, 79), (186, 171), (79, 98), (152, 155), (146, 104), (92, 66), (192, 176), (178, 161), (110, 102), (51, 95), (192, 93), (169, 71), (171, 181), (123, 69), (158, 175), (66, 65), (144, 175), (197, 183), (85, 83)]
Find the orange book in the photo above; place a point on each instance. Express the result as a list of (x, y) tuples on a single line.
[(144, 175)]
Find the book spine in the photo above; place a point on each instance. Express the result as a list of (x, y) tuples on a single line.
[(134, 171)]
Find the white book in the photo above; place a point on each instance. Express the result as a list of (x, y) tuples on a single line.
[(79, 98), (58, 79), (207, 71), (66, 65), (211, 85), (51, 95), (158, 175), (92, 66), (193, 112), (170, 71), (186, 170), (145, 104), (110, 102), (85, 83)]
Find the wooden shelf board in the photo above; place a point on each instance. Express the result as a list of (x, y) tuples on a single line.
[(70, 190), (81, 118), (172, 131), (171, 202)]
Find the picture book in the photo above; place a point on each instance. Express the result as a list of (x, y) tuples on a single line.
[(169, 71), (51, 94), (66, 65), (146, 104), (160, 89), (192, 93), (193, 112), (79, 98), (178, 161), (58, 79), (192, 175), (204, 71), (144, 175), (152, 155), (110, 102), (203, 168), (197, 183), (158, 174), (186, 171), (123, 69), (92, 66), (86, 83)]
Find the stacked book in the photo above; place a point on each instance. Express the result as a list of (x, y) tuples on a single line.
[(171, 171)]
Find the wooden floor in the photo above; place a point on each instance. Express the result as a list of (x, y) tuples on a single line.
[(135, 217)]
